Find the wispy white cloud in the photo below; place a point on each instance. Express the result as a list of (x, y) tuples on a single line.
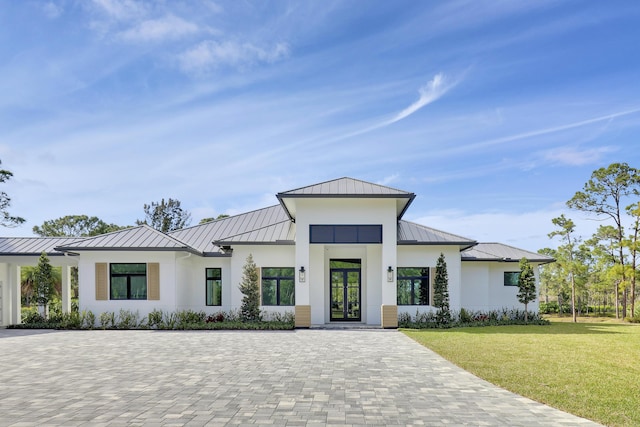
[(52, 10), (430, 92), (433, 90), (389, 179), (121, 10), (540, 132), (209, 55), (168, 27), (576, 156)]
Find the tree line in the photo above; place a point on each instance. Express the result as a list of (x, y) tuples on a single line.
[(597, 273)]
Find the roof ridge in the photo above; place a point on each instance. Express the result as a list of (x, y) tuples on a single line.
[(223, 219), (251, 231), (438, 230), (349, 178)]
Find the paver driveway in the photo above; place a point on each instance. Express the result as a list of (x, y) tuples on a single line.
[(306, 377)]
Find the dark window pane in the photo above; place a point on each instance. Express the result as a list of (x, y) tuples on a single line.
[(269, 291), (370, 234), (346, 234), (404, 292), (287, 292), (214, 292), (128, 268), (119, 287), (214, 273), (511, 278), (138, 287), (321, 233)]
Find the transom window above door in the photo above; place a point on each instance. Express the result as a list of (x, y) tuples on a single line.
[(367, 233)]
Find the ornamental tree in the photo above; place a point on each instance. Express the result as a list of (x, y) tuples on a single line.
[(44, 282), (250, 288), (441, 292), (526, 286)]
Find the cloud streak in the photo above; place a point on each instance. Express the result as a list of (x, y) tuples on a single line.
[(432, 91), (540, 132), (169, 27), (210, 55), (429, 93)]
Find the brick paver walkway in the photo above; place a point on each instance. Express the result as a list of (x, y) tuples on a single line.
[(306, 377)]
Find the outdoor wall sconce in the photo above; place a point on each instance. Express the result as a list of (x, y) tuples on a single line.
[(389, 274), (302, 274)]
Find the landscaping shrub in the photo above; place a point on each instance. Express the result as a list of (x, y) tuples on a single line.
[(467, 318)]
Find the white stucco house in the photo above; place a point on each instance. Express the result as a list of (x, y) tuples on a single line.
[(338, 251)]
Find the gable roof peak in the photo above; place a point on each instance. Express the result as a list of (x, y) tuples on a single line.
[(345, 186)]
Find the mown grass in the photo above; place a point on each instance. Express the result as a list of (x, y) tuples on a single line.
[(588, 369)]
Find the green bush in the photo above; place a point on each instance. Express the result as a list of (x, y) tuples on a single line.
[(466, 318)]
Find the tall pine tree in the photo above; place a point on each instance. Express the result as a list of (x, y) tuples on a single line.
[(441, 292), (250, 288)]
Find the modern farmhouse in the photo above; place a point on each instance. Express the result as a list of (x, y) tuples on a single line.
[(338, 251)]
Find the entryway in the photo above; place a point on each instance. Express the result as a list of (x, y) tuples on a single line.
[(345, 290)]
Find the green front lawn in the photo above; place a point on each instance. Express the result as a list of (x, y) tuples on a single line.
[(588, 369)]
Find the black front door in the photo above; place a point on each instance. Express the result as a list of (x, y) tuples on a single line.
[(345, 290)]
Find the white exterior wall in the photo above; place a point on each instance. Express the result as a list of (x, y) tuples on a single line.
[(484, 288), (191, 283), (475, 286), (427, 256), (263, 256), (375, 258), (87, 281)]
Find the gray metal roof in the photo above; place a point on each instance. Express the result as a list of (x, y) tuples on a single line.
[(501, 252), (142, 237), (268, 225), (345, 188), (410, 233), (33, 245)]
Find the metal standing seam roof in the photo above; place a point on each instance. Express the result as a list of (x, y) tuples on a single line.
[(410, 233), (33, 245), (501, 252), (142, 237), (267, 225), (346, 187)]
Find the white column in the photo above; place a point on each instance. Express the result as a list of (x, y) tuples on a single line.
[(16, 293), (66, 289)]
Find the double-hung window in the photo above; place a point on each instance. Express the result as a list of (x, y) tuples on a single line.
[(413, 286), (278, 286), (213, 284), (128, 281)]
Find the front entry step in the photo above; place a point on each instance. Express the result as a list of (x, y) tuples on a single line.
[(344, 325)]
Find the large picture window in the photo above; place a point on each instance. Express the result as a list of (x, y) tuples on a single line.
[(128, 281), (413, 286), (213, 286), (511, 278), (278, 286), (345, 233)]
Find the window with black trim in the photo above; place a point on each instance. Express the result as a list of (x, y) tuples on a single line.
[(511, 278), (128, 281), (213, 285), (278, 286), (368, 233), (413, 286)]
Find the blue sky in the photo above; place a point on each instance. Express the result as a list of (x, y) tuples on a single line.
[(493, 112)]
